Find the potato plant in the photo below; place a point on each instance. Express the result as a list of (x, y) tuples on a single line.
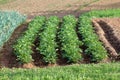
[(95, 48), (47, 46), (69, 39), (23, 46), (69, 42)]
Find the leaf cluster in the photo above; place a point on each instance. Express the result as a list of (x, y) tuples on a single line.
[(69, 39), (23, 46), (9, 21), (47, 46)]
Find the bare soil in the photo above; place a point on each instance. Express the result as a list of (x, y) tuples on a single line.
[(7, 58), (108, 30), (58, 7), (42, 7)]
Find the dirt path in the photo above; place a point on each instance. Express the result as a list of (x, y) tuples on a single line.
[(104, 4), (33, 6), (58, 7)]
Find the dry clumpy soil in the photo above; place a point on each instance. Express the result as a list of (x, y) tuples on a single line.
[(108, 30), (58, 7), (32, 7)]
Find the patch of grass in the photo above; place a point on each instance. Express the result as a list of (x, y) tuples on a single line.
[(5, 1), (68, 5), (103, 71)]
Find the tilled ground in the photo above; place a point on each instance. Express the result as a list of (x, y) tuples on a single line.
[(108, 30), (9, 60)]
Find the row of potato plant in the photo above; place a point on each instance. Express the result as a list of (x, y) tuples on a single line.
[(67, 35), (23, 46), (9, 21), (47, 46), (94, 48), (69, 39)]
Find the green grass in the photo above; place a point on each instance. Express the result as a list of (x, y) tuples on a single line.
[(104, 71), (5, 1)]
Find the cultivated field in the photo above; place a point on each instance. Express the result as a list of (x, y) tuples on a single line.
[(59, 37)]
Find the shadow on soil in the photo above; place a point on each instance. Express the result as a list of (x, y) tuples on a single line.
[(59, 13), (113, 40), (7, 58)]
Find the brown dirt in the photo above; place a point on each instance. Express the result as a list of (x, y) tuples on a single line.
[(32, 7), (108, 30), (58, 7), (38, 58), (104, 4), (28, 66), (7, 58)]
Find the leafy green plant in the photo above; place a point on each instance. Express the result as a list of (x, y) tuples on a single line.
[(67, 35), (23, 46), (69, 40), (9, 21), (94, 47), (48, 45)]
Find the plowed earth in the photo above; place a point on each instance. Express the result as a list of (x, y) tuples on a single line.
[(108, 30)]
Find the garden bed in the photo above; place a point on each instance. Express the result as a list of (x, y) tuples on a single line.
[(71, 40), (10, 58), (108, 31)]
